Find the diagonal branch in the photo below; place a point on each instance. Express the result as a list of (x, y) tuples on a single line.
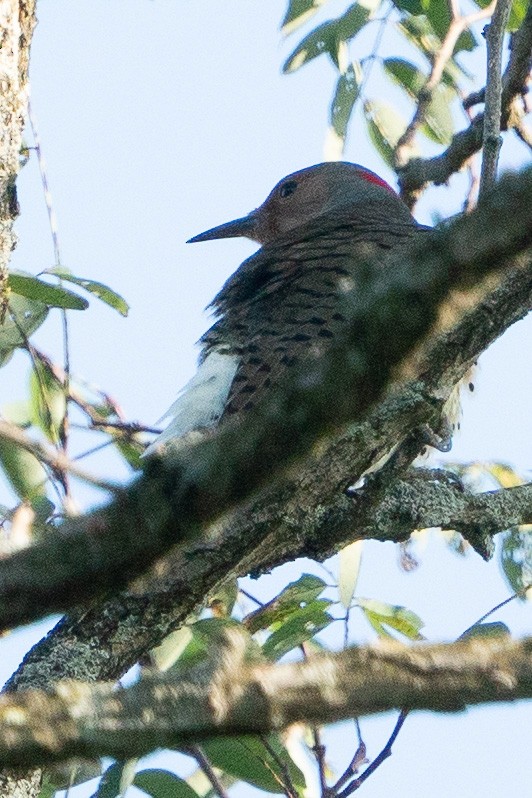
[(415, 175), (457, 26), (178, 495)]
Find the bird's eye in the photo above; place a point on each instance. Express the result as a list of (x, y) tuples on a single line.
[(287, 188)]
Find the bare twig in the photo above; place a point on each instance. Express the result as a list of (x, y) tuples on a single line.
[(52, 219), (524, 132), (379, 759), (420, 171), (57, 461), (287, 784), (318, 750), (491, 140), (197, 752), (457, 26)]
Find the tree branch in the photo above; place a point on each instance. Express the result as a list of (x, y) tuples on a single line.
[(76, 719), (178, 495), (57, 460), (415, 175), (491, 138), (17, 20), (457, 26)]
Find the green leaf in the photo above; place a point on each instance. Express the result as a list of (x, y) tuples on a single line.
[(300, 626), (321, 40), (23, 317), (130, 451), (48, 401), (116, 779), (345, 96), (172, 647), (484, 630), (504, 475), (47, 790), (247, 759), (25, 473), (18, 413), (207, 643), (439, 122), (295, 596), (406, 75), (516, 557), (163, 784), (52, 295), (517, 13), (99, 290), (411, 6), (298, 12), (385, 127), (439, 125), (381, 615), (329, 37), (349, 567), (420, 33)]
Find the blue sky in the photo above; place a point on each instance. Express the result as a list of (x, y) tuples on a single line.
[(159, 120)]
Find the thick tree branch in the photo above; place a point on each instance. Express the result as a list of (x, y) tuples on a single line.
[(178, 495), (76, 719), (415, 175), (428, 498), (17, 20), (102, 642)]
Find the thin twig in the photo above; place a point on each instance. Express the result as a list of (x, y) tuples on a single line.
[(379, 759), (63, 434), (205, 766), (418, 172), (288, 785), (491, 140), (318, 749), (524, 132), (457, 26), (54, 459), (506, 601), (130, 427), (358, 759)]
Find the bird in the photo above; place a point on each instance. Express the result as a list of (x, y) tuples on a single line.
[(285, 303)]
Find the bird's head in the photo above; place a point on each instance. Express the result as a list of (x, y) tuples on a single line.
[(303, 196)]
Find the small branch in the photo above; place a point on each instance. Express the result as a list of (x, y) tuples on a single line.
[(419, 171), (423, 500), (77, 719), (286, 784), (204, 765), (379, 759), (456, 27), (56, 460), (523, 131), (491, 140)]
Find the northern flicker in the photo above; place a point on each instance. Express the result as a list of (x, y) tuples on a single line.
[(285, 302)]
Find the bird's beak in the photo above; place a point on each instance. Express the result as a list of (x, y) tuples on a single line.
[(246, 226)]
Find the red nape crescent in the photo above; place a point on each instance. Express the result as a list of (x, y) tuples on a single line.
[(371, 177)]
